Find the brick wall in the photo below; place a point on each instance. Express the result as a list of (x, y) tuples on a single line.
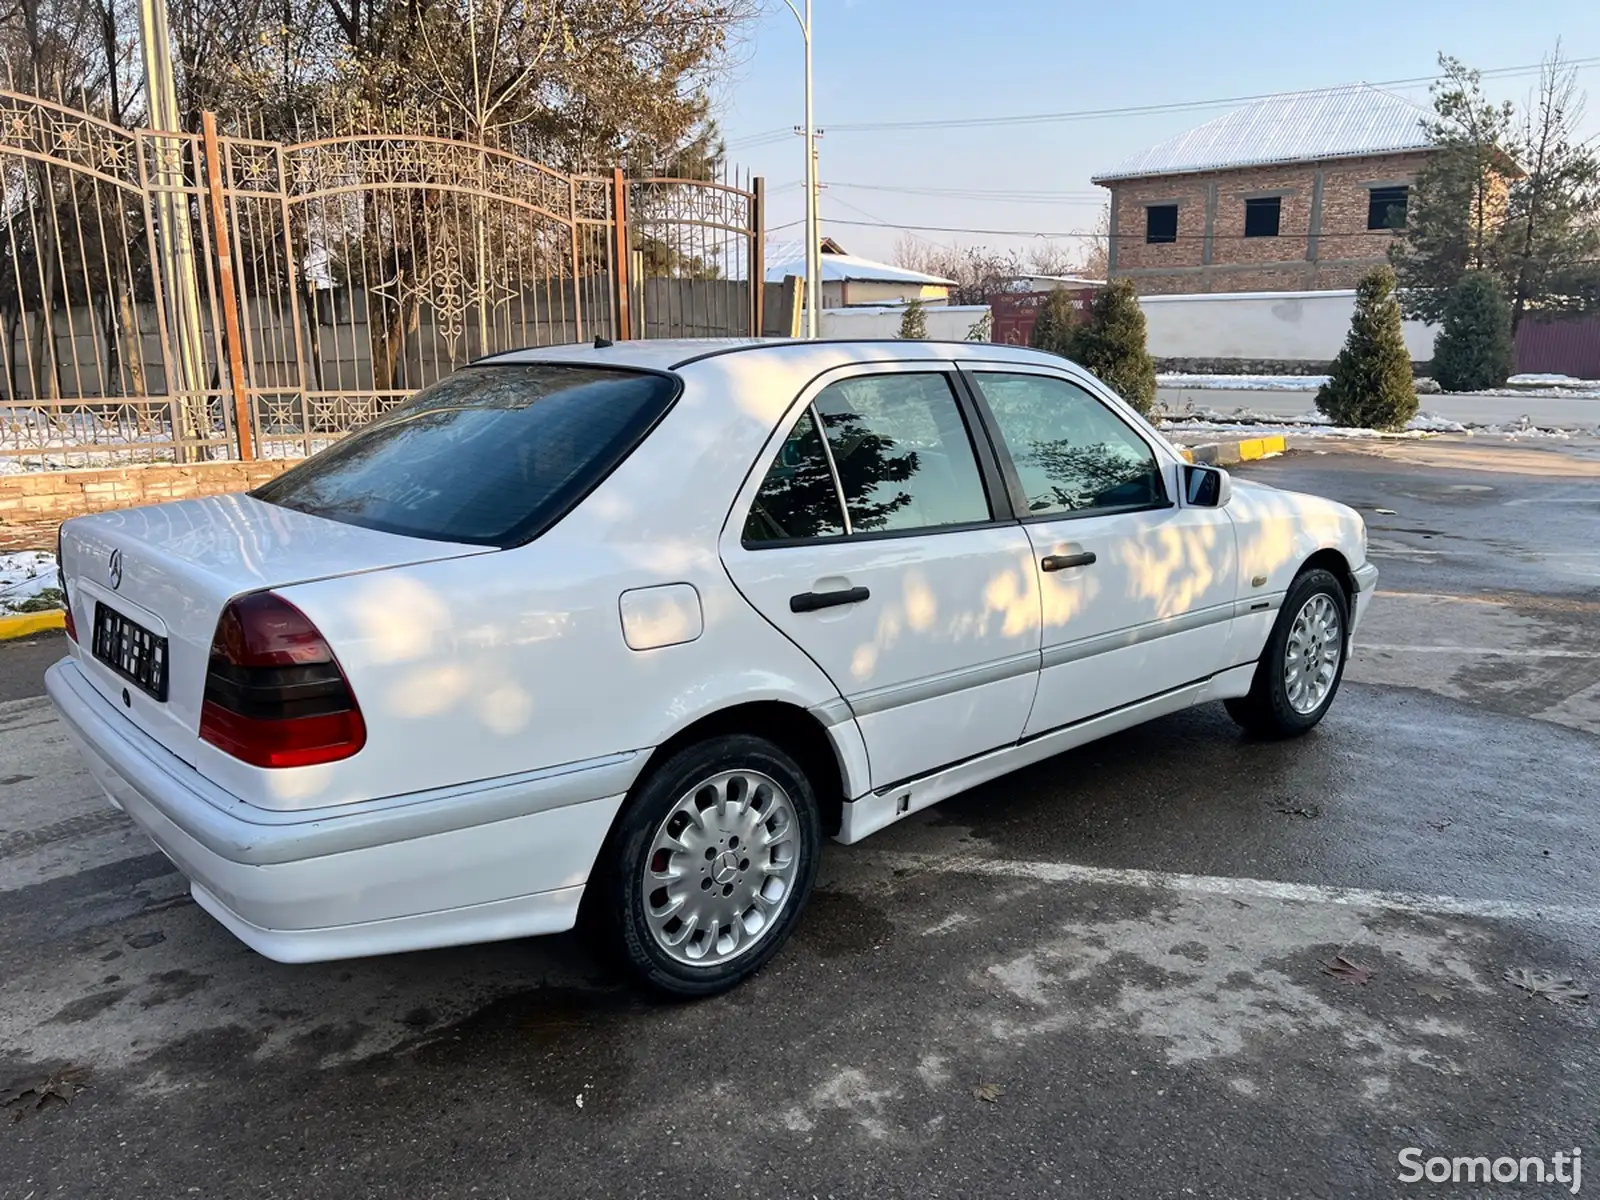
[(1323, 242), (43, 499)]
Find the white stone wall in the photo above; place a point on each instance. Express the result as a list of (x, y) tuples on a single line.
[(1256, 326)]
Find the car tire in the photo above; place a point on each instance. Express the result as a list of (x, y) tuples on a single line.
[(723, 838), (1287, 696)]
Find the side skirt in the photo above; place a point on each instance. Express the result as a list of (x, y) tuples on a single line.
[(869, 813)]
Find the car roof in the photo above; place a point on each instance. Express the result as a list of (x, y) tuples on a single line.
[(668, 354)]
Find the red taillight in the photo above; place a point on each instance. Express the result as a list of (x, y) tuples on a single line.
[(66, 602), (275, 695)]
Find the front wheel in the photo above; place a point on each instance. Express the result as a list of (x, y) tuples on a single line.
[(713, 861), (1303, 663)]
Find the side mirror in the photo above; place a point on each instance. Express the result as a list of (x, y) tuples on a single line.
[(1205, 487)]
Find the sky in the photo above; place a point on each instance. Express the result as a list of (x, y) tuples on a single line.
[(951, 60)]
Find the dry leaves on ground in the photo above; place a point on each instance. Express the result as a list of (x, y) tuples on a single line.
[(1558, 989), (1341, 967)]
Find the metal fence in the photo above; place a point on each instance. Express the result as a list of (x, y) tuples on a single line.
[(1563, 345), (181, 297)]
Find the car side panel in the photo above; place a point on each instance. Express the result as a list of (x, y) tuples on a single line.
[(1277, 532), (516, 660)]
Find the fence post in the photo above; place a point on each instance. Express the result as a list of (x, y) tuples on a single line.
[(242, 430), (620, 254), (758, 262), (792, 303)]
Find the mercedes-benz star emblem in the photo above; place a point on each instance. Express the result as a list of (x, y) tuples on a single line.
[(116, 569)]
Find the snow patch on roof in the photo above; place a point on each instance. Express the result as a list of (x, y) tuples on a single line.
[(789, 258), (1343, 122)]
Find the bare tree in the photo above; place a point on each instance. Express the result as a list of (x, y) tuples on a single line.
[(1552, 229)]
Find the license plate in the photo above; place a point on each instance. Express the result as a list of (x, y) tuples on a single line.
[(131, 650)]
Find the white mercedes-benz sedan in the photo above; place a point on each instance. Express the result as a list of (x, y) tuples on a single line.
[(621, 633)]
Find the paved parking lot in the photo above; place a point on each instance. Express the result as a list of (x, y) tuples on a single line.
[(1176, 963)]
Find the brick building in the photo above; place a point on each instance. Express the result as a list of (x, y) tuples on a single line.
[(1296, 192)]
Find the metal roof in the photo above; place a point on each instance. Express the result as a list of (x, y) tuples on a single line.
[(1343, 122), (789, 258)]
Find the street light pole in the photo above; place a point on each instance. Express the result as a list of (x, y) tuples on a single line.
[(813, 233), (186, 379)]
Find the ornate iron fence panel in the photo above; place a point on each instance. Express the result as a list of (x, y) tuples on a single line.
[(202, 295), (107, 339)]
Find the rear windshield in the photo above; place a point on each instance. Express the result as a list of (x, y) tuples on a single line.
[(491, 455)]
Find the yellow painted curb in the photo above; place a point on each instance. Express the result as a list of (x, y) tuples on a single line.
[(1260, 447), (25, 624), (1188, 455)]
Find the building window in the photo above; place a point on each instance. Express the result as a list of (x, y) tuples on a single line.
[(1386, 207), (1261, 216), (1161, 223)]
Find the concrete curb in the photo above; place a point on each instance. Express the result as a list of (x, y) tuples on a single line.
[(20, 625), (1226, 454)]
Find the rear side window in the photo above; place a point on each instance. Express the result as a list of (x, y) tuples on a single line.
[(798, 499), (902, 452), (490, 456)]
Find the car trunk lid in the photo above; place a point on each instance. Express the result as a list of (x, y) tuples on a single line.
[(172, 568)]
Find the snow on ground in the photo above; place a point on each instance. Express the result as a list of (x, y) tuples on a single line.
[(1561, 381), (1543, 387), (1243, 383), (1194, 425), (24, 574)]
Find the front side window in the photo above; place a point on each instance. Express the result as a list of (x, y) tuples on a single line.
[(1261, 216), (1386, 207), (1161, 223), (1072, 454), (489, 455), (898, 451)]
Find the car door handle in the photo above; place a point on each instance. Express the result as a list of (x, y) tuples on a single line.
[(811, 601), (1061, 562)]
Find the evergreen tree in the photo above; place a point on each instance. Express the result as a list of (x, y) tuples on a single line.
[(1053, 325), (914, 322), (1111, 345), (1370, 385), (1456, 206), (1473, 350), (1518, 196)]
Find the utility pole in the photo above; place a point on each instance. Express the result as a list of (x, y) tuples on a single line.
[(813, 232), (186, 381)]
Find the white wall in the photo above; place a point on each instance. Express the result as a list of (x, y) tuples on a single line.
[(948, 324), (1303, 326), (838, 293)]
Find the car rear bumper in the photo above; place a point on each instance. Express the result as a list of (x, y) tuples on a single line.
[(496, 859)]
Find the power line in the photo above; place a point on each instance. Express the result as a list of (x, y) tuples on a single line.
[(773, 135), (998, 196)]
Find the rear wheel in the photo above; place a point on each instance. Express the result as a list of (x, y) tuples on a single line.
[(713, 860), (1303, 663)]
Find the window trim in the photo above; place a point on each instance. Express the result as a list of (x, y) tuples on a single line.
[(1015, 495), (1177, 217), (995, 492), (1260, 204)]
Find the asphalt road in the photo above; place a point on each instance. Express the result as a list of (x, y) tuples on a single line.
[(1548, 412), (1175, 963)]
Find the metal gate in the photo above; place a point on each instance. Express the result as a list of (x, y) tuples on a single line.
[(204, 295)]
